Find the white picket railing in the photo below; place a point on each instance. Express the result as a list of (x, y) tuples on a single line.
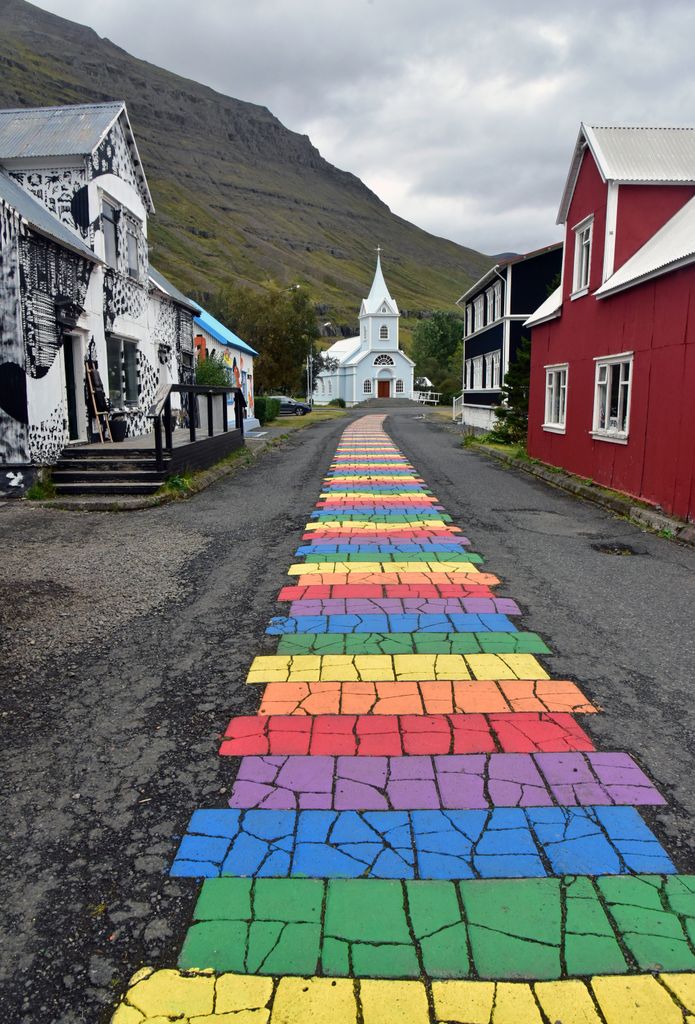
[(457, 408), (428, 397)]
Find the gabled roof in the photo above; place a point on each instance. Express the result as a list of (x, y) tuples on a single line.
[(502, 264), (633, 155), (378, 294), (221, 333), (165, 286), (547, 310), (41, 220), (70, 131), (672, 247)]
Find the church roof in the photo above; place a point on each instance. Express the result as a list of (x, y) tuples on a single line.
[(379, 295)]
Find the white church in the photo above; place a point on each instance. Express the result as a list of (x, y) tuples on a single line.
[(370, 365)]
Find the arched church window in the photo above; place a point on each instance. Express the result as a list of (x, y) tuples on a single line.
[(383, 360), (328, 386), (384, 332), (364, 332), (399, 387), (367, 387)]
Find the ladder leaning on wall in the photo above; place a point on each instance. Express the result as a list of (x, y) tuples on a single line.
[(97, 399)]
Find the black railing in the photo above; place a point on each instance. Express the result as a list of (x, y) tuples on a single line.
[(160, 413)]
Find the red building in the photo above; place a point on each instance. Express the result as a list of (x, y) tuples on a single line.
[(613, 349)]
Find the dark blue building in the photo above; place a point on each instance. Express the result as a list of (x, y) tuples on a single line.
[(495, 309)]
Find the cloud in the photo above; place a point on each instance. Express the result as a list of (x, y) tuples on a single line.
[(460, 114)]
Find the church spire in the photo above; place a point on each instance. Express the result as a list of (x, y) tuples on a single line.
[(379, 292)]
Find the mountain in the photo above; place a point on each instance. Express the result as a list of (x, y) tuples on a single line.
[(237, 195)]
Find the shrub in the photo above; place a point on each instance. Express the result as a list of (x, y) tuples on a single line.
[(212, 371), (266, 409), (340, 402)]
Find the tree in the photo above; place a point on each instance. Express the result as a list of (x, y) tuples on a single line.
[(436, 349), (320, 363), (512, 415), (280, 323)]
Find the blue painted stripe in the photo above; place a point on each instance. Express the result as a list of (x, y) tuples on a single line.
[(399, 623), (503, 843)]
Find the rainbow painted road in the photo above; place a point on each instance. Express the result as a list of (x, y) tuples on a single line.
[(420, 828)]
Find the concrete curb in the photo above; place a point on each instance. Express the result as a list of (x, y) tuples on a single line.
[(622, 506)]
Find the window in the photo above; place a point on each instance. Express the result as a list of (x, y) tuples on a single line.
[(478, 313), (383, 360), (489, 306), (364, 332), (384, 332), (367, 387), (488, 370), (478, 372), (582, 255), (399, 387), (122, 359), (109, 225), (497, 300), (469, 319), (496, 361), (555, 397), (612, 397), (329, 386), (133, 253)]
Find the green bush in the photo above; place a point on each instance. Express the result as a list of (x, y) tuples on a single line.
[(340, 402), (266, 409), (212, 371)]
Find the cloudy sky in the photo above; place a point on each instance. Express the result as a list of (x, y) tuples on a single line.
[(460, 115)]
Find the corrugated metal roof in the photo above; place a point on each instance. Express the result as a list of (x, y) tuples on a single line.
[(670, 248), (165, 285), (643, 154), (631, 155), (221, 333), (39, 218), (55, 131), (547, 310)]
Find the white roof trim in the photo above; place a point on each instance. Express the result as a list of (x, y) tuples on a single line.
[(672, 247), (548, 310)]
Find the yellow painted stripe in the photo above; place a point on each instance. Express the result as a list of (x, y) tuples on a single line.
[(315, 668), (326, 568), (159, 996)]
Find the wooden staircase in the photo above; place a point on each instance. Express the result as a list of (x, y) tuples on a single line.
[(124, 472)]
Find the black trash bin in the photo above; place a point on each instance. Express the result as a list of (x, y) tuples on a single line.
[(119, 427)]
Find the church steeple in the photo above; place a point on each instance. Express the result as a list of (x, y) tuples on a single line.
[(379, 314), (379, 293)]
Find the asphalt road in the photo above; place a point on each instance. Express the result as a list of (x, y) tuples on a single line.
[(109, 745)]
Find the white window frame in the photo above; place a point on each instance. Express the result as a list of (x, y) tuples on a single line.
[(497, 300), (605, 368), (125, 392), (555, 415), (583, 243), (384, 332), (367, 387), (488, 370), (490, 305), (469, 318), (478, 312), (400, 387), (477, 373), (496, 366)]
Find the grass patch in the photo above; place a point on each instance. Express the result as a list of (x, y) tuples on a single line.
[(42, 489), (291, 423)]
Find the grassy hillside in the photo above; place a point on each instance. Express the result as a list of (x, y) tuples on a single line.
[(237, 195)]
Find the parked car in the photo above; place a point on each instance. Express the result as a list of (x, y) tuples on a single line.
[(290, 407)]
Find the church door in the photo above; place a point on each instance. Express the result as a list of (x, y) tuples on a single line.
[(383, 388)]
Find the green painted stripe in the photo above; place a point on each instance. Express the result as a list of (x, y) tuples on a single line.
[(411, 643), (534, 929)]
